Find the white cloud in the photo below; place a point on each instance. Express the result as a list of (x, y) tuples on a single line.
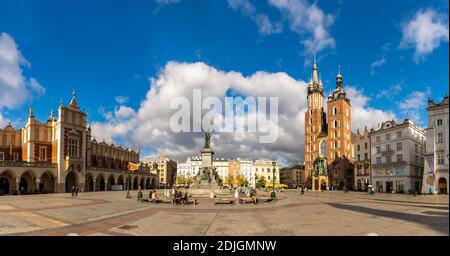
[(425, 32), (121, 99), (36, 86), (362, 114), (378, 63), (309, 21), (265, 25), (149, 126), (392, 91), (415, 100), (413, 104), (166, 2), (14, 87), (3, 121)]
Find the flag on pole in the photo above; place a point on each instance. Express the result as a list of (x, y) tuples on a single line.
[(133, 167)]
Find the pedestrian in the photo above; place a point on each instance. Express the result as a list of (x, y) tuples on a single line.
[(76, 191), (73, 191)]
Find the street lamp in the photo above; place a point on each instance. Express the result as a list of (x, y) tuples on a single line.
[(273, 195)]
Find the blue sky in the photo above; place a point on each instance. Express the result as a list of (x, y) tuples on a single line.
[(106, 49)]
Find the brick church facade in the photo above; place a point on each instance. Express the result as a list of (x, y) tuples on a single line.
[(328, 136)]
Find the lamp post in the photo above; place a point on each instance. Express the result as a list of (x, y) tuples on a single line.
[(273, 195), (128, 185)]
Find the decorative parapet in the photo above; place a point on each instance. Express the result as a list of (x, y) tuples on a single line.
[(26, 164)]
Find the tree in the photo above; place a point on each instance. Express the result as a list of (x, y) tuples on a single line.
[(261, 182), (229, 180), (241, 180), (180, 180)]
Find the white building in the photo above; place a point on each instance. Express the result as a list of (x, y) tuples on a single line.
[(248, 171), (190, 167), (222, 166), (436, 154), (264, 168), (397, 157)]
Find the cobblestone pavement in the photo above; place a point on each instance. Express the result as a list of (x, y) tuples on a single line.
[(314, 213)]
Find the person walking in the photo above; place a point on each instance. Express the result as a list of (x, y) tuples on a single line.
[(76, 191), (73, 191)]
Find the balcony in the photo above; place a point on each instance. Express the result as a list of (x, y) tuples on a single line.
[(391, 164), (388, 152), (26, 164)]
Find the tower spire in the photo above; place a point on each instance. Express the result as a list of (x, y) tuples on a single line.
[(315, 77)]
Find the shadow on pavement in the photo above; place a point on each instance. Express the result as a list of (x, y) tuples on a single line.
[(438, 223)]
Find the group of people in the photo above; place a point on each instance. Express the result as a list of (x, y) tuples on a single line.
[(179, 197), (74, 191)]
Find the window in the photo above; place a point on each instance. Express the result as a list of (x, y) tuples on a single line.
[(378, 160), (439, 122), (416, 148), (440, 138), (399, 134), (365, 145), (73, 147), (388, 147), (4, 139), (335, 123), (310, 120), (310, 112), (334, 111), (399, 158), (359, 157), (16, 156), (388, 136), (359, 148), (2, 156), (378, 150), (416, 158), (336, 134), (366, 156), (36, 135), (399, 146), (440, 158), (378, 139), (388, 159), (42, 154)]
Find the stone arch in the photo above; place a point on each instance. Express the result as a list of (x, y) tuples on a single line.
[(111, 182), (153, 183), (135, 183), (47, 183), (71, 180), (120, 181), (100, 183), (147, 183), (7, 184), (27, 182), (89, 183), (442, 185), (142, 183)]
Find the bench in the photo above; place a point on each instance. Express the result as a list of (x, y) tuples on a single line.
[(245, 200), (224, 201), (159, 200), (264, 199), (191, 201)]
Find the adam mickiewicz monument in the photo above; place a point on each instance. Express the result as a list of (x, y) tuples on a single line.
[(207, 178)]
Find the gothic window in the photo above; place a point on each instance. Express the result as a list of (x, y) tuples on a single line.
[(73, 147), (42, 153), (334, 111), (335, 124), (440, 138), (336, 134)]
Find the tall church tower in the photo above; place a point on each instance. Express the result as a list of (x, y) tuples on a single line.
[(339, 123), (315, 120)]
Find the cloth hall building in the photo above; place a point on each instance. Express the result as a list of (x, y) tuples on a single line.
[(60, 153)]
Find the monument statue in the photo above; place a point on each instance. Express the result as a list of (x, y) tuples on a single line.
[(207, 140), (320, 166)]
